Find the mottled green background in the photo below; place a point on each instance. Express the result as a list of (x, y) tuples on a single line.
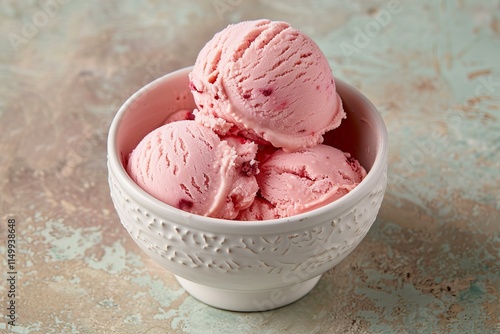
[(430, 264)]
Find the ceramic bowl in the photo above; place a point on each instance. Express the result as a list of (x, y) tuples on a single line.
[(245, 265)]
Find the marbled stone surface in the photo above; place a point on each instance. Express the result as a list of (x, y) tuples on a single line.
[(430, 263)]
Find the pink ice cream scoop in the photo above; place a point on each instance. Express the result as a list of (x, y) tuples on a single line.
[(295, 182), (188, 166), (268, 82), (261, 209)]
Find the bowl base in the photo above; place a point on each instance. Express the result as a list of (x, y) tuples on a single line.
[(248, 300)]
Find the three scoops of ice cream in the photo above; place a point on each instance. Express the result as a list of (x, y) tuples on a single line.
[(265, 95)]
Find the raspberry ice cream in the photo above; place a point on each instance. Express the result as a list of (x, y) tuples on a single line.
[(295, 182), (186, 165), (181, 115), (252, 149), (261, 209), (268, 82)]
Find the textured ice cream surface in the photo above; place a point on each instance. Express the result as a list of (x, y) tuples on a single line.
[(295, 182), (261, 209), (268, 82), (186, 165), (180, 115)]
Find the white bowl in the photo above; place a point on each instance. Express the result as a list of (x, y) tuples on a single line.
[(243, 265)]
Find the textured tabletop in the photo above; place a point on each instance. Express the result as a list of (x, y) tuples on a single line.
[(429, 264)]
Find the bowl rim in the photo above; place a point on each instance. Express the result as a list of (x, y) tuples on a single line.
[(301, 220)]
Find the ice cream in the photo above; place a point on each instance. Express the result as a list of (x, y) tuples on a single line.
[(295, 182), (261, 209), (268, 82), (265, 97), (186, 165), (180, 115)]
